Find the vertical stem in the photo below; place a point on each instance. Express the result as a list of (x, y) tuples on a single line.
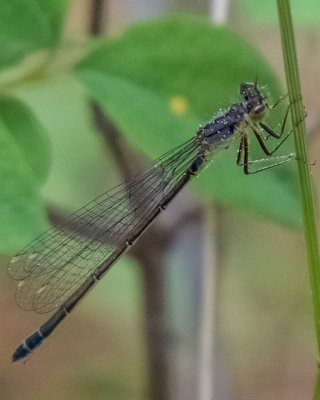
[(307, 193), (219, 10), (207, 375), (208, 321), (97, 17), (156, 328), (208, 329)]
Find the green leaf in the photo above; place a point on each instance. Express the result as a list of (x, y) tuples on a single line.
[(163, 78), (29, 135), (81, 165), (22, 215), (140, 112), (29, 25)]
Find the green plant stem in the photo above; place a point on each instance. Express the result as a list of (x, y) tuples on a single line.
[(298, 121)]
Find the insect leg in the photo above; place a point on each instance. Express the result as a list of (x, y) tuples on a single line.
[(240, 152), (245, 155), (254, 166), (273, 133), (263, 145), (273, 106)]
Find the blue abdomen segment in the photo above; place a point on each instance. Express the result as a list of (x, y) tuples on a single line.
[(28, 346), (37, 338)]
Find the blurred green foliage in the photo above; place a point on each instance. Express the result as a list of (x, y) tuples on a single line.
[(29, 135), (157, 83), (29, 25), (81, 162), (24, 166)]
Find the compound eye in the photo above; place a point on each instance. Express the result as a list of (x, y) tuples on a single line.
[(257, 112), (258, 109)]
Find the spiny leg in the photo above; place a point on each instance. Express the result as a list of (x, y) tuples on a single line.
[(275, 161), (284, 122), (245, 155), (240, 152), (244, 148), (263, 145), (272, 132), (273, 106)]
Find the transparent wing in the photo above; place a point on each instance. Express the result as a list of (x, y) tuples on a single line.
[(55, 264)]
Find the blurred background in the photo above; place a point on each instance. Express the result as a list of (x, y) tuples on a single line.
[(214, 303)]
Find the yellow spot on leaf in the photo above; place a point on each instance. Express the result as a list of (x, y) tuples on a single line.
[(178, 105)]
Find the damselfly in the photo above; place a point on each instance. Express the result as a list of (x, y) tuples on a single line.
[(58, 268)]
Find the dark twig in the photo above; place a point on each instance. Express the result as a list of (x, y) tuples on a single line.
[(97, 16), (126, 159)]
